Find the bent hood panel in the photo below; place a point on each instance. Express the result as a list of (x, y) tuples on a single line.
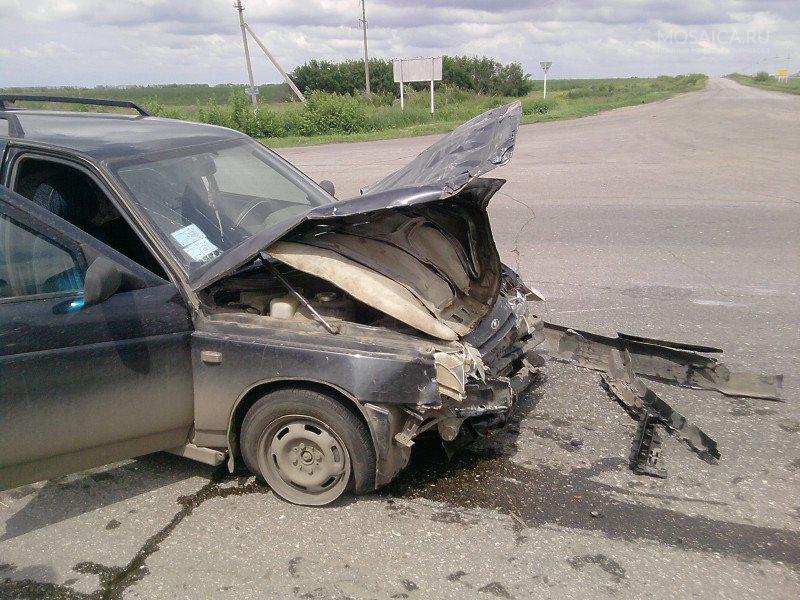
[(441, 171), (473, 149)]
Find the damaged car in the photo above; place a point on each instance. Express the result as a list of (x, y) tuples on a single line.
[(167, 285), (174, 286)]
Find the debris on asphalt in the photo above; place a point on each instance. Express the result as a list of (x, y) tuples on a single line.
[(623, 359)]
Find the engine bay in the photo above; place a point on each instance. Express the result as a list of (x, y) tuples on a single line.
[(256, 291)]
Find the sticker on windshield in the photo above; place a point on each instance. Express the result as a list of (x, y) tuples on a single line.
[(195, 243), (201, 250), (188, 235)]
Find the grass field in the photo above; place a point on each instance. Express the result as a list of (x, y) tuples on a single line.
[(331, 118), (178, 96), (790, 86)]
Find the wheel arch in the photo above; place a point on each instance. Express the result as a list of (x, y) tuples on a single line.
[(257, 390)]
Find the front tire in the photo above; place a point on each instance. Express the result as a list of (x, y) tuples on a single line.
[(307, 447)]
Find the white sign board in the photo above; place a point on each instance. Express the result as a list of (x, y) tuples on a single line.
[(546, 65), (417, 69)]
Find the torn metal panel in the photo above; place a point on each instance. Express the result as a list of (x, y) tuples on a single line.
[(677, 345), (476, 147), (639, 400), (665, 363), (646, 458), (455, 370), (451, 374)]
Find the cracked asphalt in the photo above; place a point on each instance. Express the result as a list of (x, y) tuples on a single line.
[(676, 220)]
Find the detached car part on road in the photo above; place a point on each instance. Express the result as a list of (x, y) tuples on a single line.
[(167, 285)]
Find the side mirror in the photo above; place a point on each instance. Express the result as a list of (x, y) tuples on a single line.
[(103, 280), (328, 187)]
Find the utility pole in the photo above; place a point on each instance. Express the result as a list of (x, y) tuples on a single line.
[(238, 6), (274, 61), (363, 20), (253, 90)]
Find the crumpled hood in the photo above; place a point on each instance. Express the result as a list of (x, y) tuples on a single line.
[(440, 172), (471, 150), (432, 266)]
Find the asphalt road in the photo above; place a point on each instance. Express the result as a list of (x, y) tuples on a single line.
[(676, 220)]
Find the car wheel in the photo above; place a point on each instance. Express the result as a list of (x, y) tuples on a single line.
[(308, 447)]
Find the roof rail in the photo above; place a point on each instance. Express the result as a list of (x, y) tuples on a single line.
[(14, 126), (4, 98)]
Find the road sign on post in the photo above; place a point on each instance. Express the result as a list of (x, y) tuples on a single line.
[(545, 67), (417, 69)]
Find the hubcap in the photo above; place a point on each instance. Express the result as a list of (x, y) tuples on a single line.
[(303, 460)]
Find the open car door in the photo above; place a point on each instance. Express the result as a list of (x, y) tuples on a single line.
[(80, 385)]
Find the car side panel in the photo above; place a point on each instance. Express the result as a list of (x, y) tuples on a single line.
[(77, 378), (250, 356)]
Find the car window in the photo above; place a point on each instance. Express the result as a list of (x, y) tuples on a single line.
[(74, 196), (32, 265), (239, 171), (207, 199)]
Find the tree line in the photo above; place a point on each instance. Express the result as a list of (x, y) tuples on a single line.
[(476, 74)]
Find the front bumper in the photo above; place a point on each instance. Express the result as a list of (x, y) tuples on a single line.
[(491, 401), (479, 384)]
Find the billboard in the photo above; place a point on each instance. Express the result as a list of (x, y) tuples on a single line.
[(417, 69)]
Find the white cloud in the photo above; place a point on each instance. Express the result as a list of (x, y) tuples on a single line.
[(90, 42)]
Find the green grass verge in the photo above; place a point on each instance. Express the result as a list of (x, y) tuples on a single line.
[(790, 86), (564, 108)]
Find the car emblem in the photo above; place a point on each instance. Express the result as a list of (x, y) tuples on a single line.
[(495, 323)]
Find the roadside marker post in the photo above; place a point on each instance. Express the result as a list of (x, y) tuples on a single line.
[(402, 99), (433, 71), (545, 67)]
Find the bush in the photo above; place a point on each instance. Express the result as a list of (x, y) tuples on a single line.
[(511, 80), (334, 113), (269, 123), (386, 99), (539, 106), (483, 75), (761, 76), (157, 109), (345, 77), (241, 115), (213, 115)]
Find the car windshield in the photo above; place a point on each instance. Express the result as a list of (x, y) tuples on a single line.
[(205, 200)]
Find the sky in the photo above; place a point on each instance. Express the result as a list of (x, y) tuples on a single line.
[(119, 42)]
